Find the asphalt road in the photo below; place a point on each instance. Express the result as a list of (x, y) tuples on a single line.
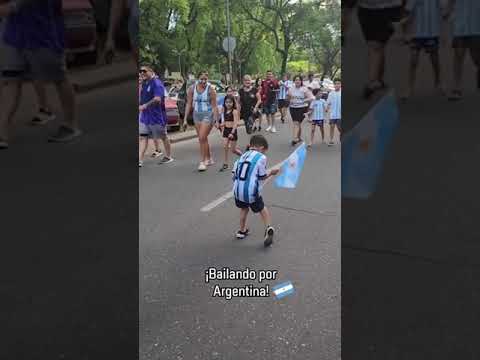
[(410, 265), (179, 319)]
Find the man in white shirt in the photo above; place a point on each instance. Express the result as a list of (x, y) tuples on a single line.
[(311, 83)]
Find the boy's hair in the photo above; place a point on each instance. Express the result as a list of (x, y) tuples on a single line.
[(258, 141), (337, 80), (315, 91)]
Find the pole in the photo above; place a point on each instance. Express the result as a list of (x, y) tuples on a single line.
[(179, 64), (228, 45)]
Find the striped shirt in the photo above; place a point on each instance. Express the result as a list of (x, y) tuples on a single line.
[(426, 16), (248, 172), (318, 109), (379, 4), (201, 101), (334, 102), (284, 86), (466, 18)]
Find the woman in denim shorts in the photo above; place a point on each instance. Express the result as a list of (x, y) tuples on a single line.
[(202, 99)]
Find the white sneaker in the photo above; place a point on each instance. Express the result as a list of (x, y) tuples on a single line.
[(42, 117), (210, 162), (156, 154), (268, 128), (274, 130), (202, 167), (140, 163)]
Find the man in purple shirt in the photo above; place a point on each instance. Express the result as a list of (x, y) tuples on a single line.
[(35, 30), (153, 116)]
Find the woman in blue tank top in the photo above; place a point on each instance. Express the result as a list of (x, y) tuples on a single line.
[(202, 99)]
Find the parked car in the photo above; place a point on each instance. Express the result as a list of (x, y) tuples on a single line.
[(173, 116), (182, 96), (80, 32)]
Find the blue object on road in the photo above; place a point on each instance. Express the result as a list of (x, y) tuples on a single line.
[(292, 168), (283, 289), (364, 148)]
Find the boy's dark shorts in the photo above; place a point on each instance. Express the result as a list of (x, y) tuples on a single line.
[(256, 207), (430, 45), (377, 24), (466, 42)]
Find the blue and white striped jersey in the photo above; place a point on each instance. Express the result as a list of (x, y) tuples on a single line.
[(201, 101), (335, 102), (466, 18), (284, 86), (426, 17), (249, 172), (318, 108)]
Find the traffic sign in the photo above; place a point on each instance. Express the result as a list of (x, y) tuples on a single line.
[(229, 43)]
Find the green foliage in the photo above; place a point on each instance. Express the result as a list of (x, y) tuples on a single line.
[(273, 34)]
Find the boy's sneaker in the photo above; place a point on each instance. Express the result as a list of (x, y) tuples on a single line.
[(210, 162), (269, 236), (242, 234), (156, 154), (268, 128), (140, 163), (166, 160), (42, 117), (274, 130), (65, 134)]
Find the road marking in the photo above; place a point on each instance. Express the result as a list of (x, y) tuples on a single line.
[(229, 194)]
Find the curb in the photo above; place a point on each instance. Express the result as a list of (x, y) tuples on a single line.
[(101, 84)]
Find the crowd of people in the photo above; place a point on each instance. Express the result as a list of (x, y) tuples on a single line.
[(253, 104), (421, 23)]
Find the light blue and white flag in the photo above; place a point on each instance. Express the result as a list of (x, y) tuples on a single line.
[(283, 289), (364, 148), (291, 169)]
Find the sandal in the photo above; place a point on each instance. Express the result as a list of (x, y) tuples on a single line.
[(223, 168)]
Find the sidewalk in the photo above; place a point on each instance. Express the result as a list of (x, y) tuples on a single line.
[(88, 78)]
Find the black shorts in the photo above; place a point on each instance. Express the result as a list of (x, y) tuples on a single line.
[(298, 114), (256, 207), (430, 45), (227, 131), (282, 103), (377, 24), (466, 42)]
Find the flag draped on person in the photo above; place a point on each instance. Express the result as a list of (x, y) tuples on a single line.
[(291, 169), (364, 148)]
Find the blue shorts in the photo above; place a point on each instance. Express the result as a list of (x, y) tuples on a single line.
[(335, 121), (256, 207), (203, 117), (317, 122), (269, 109), (429, 44)]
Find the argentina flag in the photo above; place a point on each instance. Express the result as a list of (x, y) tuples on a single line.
[(364, 148), (291, 169)]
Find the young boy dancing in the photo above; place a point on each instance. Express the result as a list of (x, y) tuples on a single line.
[(249, 173)]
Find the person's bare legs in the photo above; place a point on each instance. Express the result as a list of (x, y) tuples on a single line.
[(322, 132), (156, 143), (198, 130), (437, 70), (204, 131), (11, 93), (41, 92), (243, 219), (266, 218), (235, 150), (226, 150), (376, 61), (475, 55), (332, 131), (142, 147), (412, 72), (312, 135), (167, 146), (66, 95), (458, 60)]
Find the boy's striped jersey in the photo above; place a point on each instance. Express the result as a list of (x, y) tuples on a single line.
[(249, 172)]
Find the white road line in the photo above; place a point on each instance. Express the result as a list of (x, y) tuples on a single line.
[(229, 194)]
